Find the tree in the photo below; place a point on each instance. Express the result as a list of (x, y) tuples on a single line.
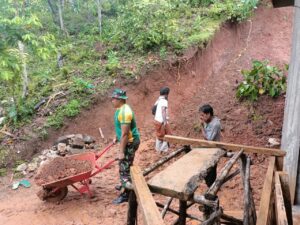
[(16, 32), (99, 15)]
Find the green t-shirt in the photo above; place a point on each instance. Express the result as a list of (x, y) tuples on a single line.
[(125, 115)]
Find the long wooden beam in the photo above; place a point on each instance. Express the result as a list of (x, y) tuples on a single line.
[(281, 216), (284, 179), (223, 145), (265, 206), (151, 213)]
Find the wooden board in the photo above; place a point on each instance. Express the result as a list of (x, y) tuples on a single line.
[(181, 179), (284, 179), (150, 211), (290, 140), (281, 218), (264, 212), (223, 145)]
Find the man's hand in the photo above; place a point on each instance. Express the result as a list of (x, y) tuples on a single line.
[(202, 123), (115, 141), (121, 155)]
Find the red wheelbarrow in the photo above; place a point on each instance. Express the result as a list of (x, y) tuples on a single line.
[(57, 190)]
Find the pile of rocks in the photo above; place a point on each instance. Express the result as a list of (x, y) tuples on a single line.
[(73, 144), (65, 145)]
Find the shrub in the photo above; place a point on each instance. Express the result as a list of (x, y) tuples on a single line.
[(262, 79), (72, 108)]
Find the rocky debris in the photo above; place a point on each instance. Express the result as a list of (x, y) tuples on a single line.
[(60, 168), (77, 142), (73, 138), (64, 139), (73, 144), (273, 142), (64, 145), (62, 149), (32, 166), (22, 167), (72, 151), (88, 139)]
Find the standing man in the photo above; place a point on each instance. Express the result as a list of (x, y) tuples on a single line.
[(211, 131), (128, 136), (161, 120)]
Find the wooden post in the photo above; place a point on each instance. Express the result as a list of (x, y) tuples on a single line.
[(132, 209), (284, 179), (290, 140), (249, 207), (215, 216), (182, 212), (265, 207), (281, 218), (279, 163), (151, 215)]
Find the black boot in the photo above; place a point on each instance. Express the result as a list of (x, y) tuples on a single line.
[(118, 187), (122, 198)]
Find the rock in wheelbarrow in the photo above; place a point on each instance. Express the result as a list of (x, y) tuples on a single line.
[(60, 168)]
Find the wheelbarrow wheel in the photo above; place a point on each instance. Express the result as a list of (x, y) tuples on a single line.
[(48, 195)]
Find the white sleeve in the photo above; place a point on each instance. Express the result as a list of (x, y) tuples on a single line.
[(164, 103)]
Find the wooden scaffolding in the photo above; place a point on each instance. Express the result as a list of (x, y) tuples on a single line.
[(180, 180)]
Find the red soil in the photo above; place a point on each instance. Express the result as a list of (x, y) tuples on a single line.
[(204, 76)]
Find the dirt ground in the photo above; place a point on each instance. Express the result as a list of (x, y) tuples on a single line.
[(202, 76)]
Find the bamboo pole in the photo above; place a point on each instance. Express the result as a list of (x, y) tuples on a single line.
[(214, 188), (164, 211), (164, 160)]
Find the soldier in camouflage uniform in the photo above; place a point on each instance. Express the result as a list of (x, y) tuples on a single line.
[(128, 136)]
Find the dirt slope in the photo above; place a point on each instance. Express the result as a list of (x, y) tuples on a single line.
[(209, 76)]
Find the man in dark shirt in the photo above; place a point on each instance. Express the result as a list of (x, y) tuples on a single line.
[(211, 131)]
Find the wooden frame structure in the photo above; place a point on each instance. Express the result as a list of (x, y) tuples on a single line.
[(275, 205)]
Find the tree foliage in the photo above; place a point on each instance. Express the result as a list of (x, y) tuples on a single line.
[(262, 79), (93, 49)]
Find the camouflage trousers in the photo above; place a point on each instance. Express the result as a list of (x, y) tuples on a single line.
[(124, 164)]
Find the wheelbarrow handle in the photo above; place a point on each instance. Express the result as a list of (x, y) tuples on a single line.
[(104, 150)]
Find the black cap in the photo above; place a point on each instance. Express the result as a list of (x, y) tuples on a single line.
[(164, 91)]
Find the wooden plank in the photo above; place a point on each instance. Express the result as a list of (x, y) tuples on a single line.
[(223, 145), (151, 215), (284, 179), (290, 140), (181, 179), (265, 200), (279, 163), (281, 218)]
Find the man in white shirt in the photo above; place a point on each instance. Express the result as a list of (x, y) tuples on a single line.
[(161, 120)]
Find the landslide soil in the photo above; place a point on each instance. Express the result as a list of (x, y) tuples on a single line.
[(201, 76), (60, 168)]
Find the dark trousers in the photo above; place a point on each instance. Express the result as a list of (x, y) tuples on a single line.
[(124, 164)]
